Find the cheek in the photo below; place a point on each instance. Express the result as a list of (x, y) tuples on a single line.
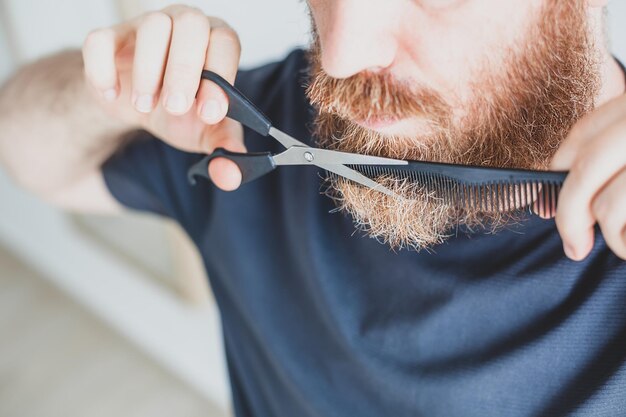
[(320, 12), (450, 48)]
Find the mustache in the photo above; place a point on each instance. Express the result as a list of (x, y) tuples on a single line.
[(368, 95)]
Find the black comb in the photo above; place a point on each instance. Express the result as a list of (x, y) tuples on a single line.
[(478, 188)]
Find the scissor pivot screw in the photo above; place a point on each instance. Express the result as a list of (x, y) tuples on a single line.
[(309, 156)]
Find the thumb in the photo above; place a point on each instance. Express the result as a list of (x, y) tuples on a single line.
[(223, 172)]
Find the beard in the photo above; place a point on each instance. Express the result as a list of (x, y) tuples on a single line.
[(525, 109)]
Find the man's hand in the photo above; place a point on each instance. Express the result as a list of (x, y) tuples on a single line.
[(147, 73), (595, 189)]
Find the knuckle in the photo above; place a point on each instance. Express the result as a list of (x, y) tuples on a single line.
[(192, 17), (98, 37), (580, 171), (156, 19), (227, 36)]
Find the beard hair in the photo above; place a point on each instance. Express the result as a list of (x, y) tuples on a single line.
[(518, 120)]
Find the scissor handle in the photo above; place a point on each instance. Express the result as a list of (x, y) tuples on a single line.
[(252, 165), (239, 107)]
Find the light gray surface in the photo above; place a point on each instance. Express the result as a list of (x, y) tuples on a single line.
[(41, 26), (57, 360), (617, 19), (268, 28), (6, 60)]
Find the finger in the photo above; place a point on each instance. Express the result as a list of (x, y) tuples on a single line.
[(543, 200), (187, 54), (596, 163), (224, 173), (99, 51), (152, 43), (609, 208), (588, 127), (222, 58)]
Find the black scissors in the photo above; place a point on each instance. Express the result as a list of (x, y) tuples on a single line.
[(255, 165)]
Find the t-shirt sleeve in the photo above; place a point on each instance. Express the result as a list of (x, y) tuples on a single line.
[(149, 175)]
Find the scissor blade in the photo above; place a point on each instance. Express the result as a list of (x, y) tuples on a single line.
[(357, 177), (284, 139), (299, 155)]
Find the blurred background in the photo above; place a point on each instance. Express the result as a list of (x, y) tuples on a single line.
[(111, 316), (103, 316)]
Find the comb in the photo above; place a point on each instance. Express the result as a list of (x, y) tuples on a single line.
[(478, 188)]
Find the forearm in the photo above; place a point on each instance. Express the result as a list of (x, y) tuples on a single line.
[(53, 131)]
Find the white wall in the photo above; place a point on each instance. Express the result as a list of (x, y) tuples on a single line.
[(268, 28), (41, 26), (6, 60), (617, 20)]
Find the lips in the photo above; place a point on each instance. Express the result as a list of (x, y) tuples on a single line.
[(377, 122)]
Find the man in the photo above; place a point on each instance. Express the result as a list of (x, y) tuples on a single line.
[(319, 320)]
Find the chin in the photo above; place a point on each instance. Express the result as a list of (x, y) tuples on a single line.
[(409, 127)]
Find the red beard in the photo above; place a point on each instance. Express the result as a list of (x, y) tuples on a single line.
[(518, 120)]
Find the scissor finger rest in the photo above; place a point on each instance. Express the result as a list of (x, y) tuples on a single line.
[(239, 107), (251, 165)]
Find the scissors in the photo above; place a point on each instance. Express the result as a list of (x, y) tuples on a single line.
[(254, 165)]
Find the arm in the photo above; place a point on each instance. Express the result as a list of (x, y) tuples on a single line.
[(63, 116), (54, 135)]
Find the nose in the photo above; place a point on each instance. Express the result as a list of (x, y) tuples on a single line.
[(357, 35)]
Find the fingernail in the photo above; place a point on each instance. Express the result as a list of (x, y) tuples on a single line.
[(210, 110), (110, 94), (569, 251), (176, 103), (144, 103)]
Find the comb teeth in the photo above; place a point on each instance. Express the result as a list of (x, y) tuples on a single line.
[(478, 188)]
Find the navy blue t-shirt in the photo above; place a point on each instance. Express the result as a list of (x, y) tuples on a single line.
[(321, 321)]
